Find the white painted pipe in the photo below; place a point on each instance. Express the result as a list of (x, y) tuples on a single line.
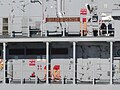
[(59, 8)]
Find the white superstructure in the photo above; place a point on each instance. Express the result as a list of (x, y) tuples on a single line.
[(59, 43)]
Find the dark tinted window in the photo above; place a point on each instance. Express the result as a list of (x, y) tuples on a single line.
[(59, 51), (35, 51), (5, 20), (0, 52), (16, 51), (54, 51)]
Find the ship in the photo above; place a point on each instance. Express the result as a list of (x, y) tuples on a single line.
[(59, 44)]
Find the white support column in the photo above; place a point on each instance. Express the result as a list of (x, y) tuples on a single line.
[(98, 27), (111, 62), (59, 13), (36, 74), (47, 66), (74, 60), (21, 72), (93, 73), (4, 60), (43, 18), (107, 29)]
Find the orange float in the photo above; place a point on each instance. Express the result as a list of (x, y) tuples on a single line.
[(56, 72), (1, 64), (45, 72)]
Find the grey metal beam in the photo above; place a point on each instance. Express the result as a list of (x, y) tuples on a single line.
[(75, 63), (4, 60), (47, 58), (111, 62), (60, 39), (21, 72), (48, 66)]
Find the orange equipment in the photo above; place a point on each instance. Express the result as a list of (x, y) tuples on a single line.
[(45, 71), (83, 27), (1, 64), (56, 72)]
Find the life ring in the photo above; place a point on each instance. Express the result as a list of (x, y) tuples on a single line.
[(1, 64)]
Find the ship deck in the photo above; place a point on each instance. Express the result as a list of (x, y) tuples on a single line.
[(59, 87)]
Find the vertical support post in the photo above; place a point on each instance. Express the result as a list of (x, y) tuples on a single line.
[(90, 27), (47, 57), (93, 73), (42, 24), (48, 66), (75, 63), (62, 68), (21, 71), (98, 27), (4, 60), (111, 62), (36, 74), (59, 13), (81, 26), (107, 29)]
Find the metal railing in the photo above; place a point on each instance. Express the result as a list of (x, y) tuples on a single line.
[(26, 72), (32, 26)]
